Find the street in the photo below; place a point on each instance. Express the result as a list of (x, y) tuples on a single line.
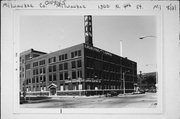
[(147, 100)]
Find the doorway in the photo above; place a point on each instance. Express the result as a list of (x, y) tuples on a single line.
[(52, 91)]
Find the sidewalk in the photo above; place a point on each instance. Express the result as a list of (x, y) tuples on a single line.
[(130, 95)]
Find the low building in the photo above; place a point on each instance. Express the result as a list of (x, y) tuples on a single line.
[(147, 81), (78, 70)]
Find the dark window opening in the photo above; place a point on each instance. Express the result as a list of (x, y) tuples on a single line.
[(50, 77), (65, 66), (54, 77), (37, 79), (73, 63), (79, 52), (79, 74), (61, 76), (60, 66), (54, 68), (44, 78), (62, 57), (79, 64), (66, 57), (66, 75), (73, 74), (50, 68)]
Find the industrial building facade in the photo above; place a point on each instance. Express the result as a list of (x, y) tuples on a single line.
[(78, 70)]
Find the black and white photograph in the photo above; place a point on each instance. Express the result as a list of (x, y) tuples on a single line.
[(88, 61)]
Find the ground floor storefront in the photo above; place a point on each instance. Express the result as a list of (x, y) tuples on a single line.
[(87, 88)]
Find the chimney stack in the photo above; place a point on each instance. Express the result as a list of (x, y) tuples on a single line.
[(88, 30)]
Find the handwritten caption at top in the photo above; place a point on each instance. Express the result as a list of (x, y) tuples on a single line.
[(86, 5)]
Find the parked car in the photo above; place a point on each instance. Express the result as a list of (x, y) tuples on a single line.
[(112, 93)]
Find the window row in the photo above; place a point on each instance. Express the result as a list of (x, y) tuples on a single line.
[(74, 75), (38, 79), (53, 77), (42, 62), (75, 53), (102, 75), (75, 64), (64, 66), (35, 64), (41, 70), (22, 60), (63, 57), (52, 59)]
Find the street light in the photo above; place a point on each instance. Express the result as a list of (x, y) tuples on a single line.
[(143, 37), (124, 87)]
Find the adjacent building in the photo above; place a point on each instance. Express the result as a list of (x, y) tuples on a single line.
[(78, 70), (146, 81)]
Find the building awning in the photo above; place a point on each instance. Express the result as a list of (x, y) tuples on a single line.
[(52, 85)]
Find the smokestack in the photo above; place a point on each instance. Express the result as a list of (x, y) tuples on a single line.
[(88, 30), (121, 49)]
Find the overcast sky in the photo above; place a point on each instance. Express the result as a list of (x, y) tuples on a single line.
[(51, 33)]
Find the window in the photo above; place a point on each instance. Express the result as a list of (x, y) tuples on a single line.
[(37, 72), (28, 66), (33, 80), (40, 70), (65, 66), (79, 52), (73, 74), (42, 62), (34, 72), (52, 59), (54, 68), (22, 60), (35, 64), (66, 57), (50, 68), (26, 81), (60, 67), (37, 79), (60, 76), (50, 77), (62, 57), (22, 69), (79, 64), (79, 74), (75, 53), (29, 80), (72, 54), (73, 64), (44, 70), (41, 79), (54, 77), (44, 78), (66, 75)]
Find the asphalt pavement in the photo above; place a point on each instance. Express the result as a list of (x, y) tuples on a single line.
[(148, 100)]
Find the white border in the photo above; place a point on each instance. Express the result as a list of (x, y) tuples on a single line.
[(157, 110)]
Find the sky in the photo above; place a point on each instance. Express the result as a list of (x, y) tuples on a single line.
[(51, 33)]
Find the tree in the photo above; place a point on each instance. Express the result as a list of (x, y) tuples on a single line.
[(150, 81)]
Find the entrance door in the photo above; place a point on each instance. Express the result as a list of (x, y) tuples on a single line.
[(52, 91)]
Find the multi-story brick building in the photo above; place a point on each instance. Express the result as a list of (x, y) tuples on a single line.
[(78, 70)]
